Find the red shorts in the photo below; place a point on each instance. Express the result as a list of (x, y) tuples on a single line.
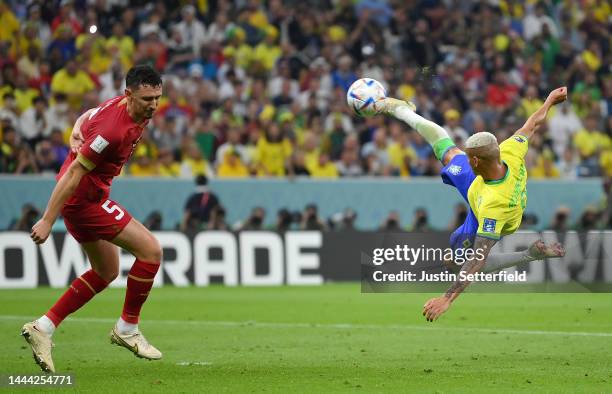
[(90, 221)]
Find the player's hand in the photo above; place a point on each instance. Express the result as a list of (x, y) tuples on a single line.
[(436, 307), (76, 139), (40, 231), (557, 96)]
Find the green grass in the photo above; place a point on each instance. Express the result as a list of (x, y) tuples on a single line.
[(326, 339)]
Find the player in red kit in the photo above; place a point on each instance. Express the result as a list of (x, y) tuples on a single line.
[(103, 140)]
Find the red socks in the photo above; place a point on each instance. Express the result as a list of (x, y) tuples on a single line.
[(80, 292), (86, 286), (139, 283)]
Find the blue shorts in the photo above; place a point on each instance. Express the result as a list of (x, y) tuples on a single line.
[(459, 174)]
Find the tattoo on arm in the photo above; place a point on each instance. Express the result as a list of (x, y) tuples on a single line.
[(472, 266)]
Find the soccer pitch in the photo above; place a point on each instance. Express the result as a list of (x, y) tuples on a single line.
[(330, 338)]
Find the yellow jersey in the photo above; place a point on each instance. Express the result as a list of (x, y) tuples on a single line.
[(272, 156), (498, 205)]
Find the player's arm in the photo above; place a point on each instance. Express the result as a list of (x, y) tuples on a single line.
[(437, 306), (64, 188), (534, 122), (76, 136)]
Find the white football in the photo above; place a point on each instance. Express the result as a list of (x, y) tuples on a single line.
[(365, 96)]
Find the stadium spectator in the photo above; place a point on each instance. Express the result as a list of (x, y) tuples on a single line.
[(590, 142), (198, 206), (33, 123), (311, 219), (46, 161), (72, 82), (420, 222), (29, 216), (154, 221), (217, 219), (232, 165), (401, 154), (376, 153), (560, 222), (233, 143), (545, 166), (343, 221), (9, 112), (324, 168), (298, 162), (60, 150), (167, 166), (565, 124), (191, 30), (283, 220), (272, 153), (452, 119), (24, 94), (349, 165), (535, 20), (254, 222), (392, 222), (58, 113), (589, 220), (194, 162)]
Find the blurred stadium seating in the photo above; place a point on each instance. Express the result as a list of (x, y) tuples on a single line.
[(256, 89)]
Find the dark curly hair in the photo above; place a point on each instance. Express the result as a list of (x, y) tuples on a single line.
[(142, 74)]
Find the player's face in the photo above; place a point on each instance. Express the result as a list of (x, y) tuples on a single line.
[(144, 100)]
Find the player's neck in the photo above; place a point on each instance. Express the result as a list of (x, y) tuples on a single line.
[(497, 173)]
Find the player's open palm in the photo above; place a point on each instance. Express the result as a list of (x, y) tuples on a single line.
[(40, 231), (558, 95)]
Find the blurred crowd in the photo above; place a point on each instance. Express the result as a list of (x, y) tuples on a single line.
[(257, 88)]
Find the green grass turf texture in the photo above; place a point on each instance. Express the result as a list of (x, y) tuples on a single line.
[(329, 338)]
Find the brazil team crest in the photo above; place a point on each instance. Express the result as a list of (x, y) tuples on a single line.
[(488, 225), (454, 169)]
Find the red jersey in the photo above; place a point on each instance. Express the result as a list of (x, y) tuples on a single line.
[(110, 136)]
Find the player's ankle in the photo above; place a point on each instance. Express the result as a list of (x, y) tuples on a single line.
[(126, 328), (44, 324)]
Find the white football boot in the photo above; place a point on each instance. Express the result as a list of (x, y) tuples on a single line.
[(41, 345), (136, 343)]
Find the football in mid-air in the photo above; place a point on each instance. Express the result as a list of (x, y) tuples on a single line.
[(365, 96)]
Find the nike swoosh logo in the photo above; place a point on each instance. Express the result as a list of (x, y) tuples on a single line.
[(127, 345)]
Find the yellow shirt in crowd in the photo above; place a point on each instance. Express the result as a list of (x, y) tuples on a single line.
[(397, 154), (271, 156)]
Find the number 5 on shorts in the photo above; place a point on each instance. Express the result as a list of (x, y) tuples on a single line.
[(111, 209)]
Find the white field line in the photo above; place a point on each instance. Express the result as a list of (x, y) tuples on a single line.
[(338, 326), (193, 363)]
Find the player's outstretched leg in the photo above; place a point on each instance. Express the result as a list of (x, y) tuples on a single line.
[(435, 134), (139, 241), (536, 251), (104, 260)]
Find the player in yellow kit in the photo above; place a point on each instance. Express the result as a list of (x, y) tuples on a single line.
[(492, 178)]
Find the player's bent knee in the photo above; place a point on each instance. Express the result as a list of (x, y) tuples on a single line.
[(153, 253), (109, 274)]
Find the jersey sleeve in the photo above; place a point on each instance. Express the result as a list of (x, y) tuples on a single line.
[(98, 143), (491, 221), (514, 149)]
